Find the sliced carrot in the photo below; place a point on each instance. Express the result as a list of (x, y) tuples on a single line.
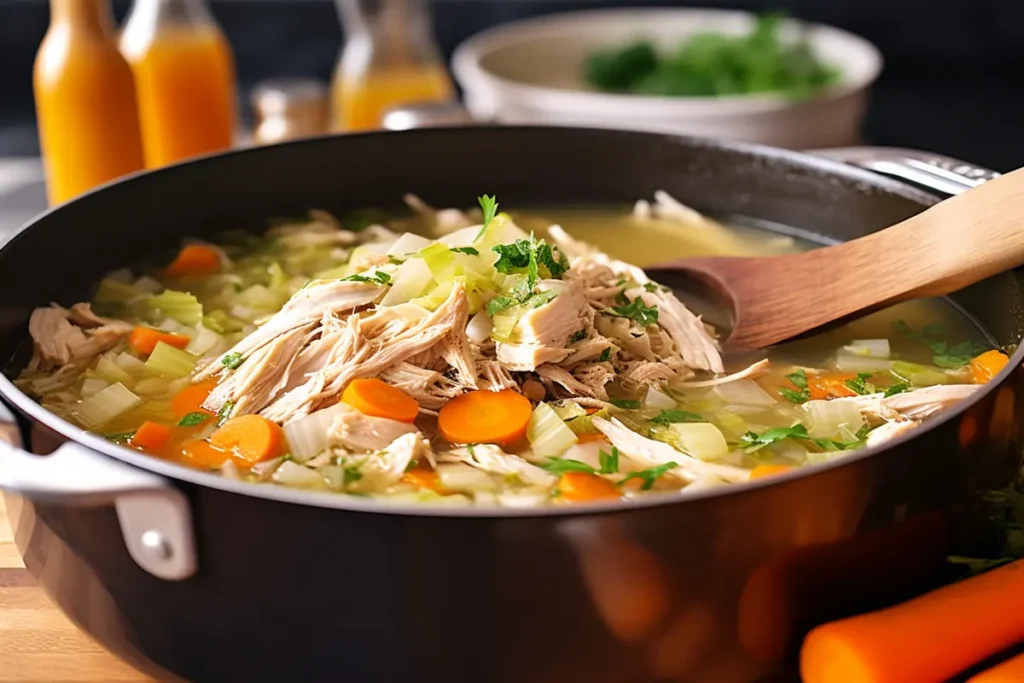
[(200, 453), (591, 410), (581, 487), (252, 437), (150, 437), (485, 417), (1010, 671), (145, 339), (762, 471), (425, 479), (987, 365), (930, 638), (589, 438), (377, 398), (194, 259), (830, 385), (190, 399)]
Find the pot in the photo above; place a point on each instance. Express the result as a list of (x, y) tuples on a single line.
[(189, 576), (529, 72)]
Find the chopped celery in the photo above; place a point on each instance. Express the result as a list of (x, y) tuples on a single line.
[(93, 385), (293, 474), (111, 371), (584, 424), (153, 386), (205, 341), (440, 260), (113, 291), (105, 405), (180, 306), (548, 434), (222, 323), (744, 392), (169, 361), (732, 423), (148, 285), (130, 363), (826, 419), (503, 323), (409, 281), (699, 439), (567, 410), (433, 299), (919, 375), (848, 362)]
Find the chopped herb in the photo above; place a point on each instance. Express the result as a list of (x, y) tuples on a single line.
[(621, 281), (605, 355), (801, 394), (609, 461), (578, 336), (860, 384), (943, 355), (625, 403), (379, 277), (412, 465), (193, 419), (465, 250), (232, 361), (352, 474), (651, 287), (529, 254), (538, 299), (621, 297), (560, 465), (395, 261), (489, 205), (798, 378), (752, 441), (225, 412), (897, 388), (469, 449), (556, 493), (667, 417), (500, 303), (635, 310), (649, 476), (833, 445)]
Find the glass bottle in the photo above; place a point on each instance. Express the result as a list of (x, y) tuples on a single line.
[(390, 58), (85, 101), (288, 109), (184, 76)]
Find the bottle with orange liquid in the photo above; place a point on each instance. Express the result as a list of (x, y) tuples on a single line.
[(85, 101), (184, 77), (390, 58)]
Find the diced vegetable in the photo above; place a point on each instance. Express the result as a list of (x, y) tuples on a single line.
[(567, 410), (191, 398), (111, 371), (830, 385), (307, 436), (425, 479), (105, 405), (762, 471), (462, 477), (440, 261), (699, 439), (376, 398), (206, 342), (826, 419), (252, 437), (848, 362), (499, 417), (153, 386), (583, 425), (547, 433), (169, 361), (479, 328), (194, 259), (130, 364), (987, 365), (1007, 671), (408, 282), (919, 375), (658, 399), (148, 285), (113, 291), (744, 392), (93, 385), (408, 243), (180, 306), (293, 474), (874, 348), (145, 339), (150, 437), (582, 487)]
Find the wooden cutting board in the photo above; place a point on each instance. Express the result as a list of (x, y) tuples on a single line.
[(37, 643)]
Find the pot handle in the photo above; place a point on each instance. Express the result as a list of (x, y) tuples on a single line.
[(934, 172), (155, 517)]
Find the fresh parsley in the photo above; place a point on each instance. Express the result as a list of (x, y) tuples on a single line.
[(860, 384), (232, 361), (635, 310), (578, 336), (193, 419), (667, 417), (649, 476), (529, 254), (352, 474), (752, 441), (834, 445), (651, 287), (801, 394), (944, 355), (560, 465), (625, 403), (605, 355), (225, 412), (465, 250), (609, 461), (378, 277), (897, 388), (412, 464), (489, 205)]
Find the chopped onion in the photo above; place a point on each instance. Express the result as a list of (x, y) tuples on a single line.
[(408, 243), (205, 342), (408, 282), (874, 348), (93, 385), (307, 436), (293, 474), (111, 371), (848, 362), (658, 399), (699, 439), (547, 434), (479, 328), (169, 361), (744, 392), (130, 363), (827, 418), (105, 405), (462, 477)]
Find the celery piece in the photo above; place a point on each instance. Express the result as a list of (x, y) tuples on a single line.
[(180, 306), (170, 362)]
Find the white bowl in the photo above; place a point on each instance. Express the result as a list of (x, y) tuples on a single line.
[(530, 72)]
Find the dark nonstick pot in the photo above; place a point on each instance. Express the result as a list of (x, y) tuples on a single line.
[(190, 576)]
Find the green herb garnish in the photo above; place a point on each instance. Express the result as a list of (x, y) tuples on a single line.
[(378, 277), (578, 336), (651, 287), (801, 394), (649, 476), (193, 419), (225, 412), (752, 441), (944, 355), (465, 250), (489, 205), (860, 384), (605, 355), (896, 388), (232, 361), (667, 417), (625, 403), (560, 465), (119, 436), (635, 310), (609, 461)]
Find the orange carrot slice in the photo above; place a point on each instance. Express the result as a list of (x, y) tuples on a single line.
[(425, 479), (762, 471), (987, 365), (150, 437), (582, 487), (377, 398), (200, 453), (252, 437), (589, 438), (145, 339), (1010, 671), (485, 417), (924, 639), (194, 259), (830, 385), (190, 399)]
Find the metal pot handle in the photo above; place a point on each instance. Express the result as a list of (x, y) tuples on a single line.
[(155, 517), (934, 172)]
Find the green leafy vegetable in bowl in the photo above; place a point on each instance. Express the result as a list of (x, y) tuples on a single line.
[(715, 64)]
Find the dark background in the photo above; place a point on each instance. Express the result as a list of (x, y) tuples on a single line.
[(952, 83)]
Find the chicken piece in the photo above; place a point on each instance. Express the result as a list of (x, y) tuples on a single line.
[(589, 349), (556, 375), (430, 388), (922, 403), (754, 371), (306, 306), (385, 469), (693, 343), (668, 207), (81, 314), (888, 431), (355, 431), (494, 376), (651, 453), (492, 459), (645, 373), (58, 341), (568, 245), (595, 376), (542, 334), (364, 261), (456, 352)]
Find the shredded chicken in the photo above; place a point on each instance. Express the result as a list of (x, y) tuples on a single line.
[(693, 343), (384, 469), (356, 431), (58, 340), (496, 461), (542, 334), (751, 372), (888, 431)]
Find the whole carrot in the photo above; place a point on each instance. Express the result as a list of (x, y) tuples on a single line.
[(1010, 671), (925, 640)]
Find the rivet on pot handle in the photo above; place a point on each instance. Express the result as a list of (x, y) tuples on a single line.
[(932, 171), (155, 517)]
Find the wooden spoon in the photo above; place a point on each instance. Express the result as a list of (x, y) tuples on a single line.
[(951, 245)]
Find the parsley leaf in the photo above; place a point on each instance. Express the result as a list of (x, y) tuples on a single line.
[(605, 355), (798, 378), (833, 445), (412, 465), (754, 442), (225, 412), (943, 354), (500, 303), (667, 417), (860, 384), (465, 250), (578, 336), (897, 388), (512, 257), (801, 394), (648, 476), (651, 287), (635, 310), (560, 465), (529, 254), (538, 299), (489, 205), (379, 277), (609, 461), (625, 403), (193, 419), (232, 361), (352, 474)]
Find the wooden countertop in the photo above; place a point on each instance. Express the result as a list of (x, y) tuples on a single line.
[(37, 643)]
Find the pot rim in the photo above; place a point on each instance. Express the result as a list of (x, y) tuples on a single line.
[(182, 473)]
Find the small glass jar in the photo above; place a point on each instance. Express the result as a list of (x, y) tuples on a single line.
[(390, 58), (288, 109)]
